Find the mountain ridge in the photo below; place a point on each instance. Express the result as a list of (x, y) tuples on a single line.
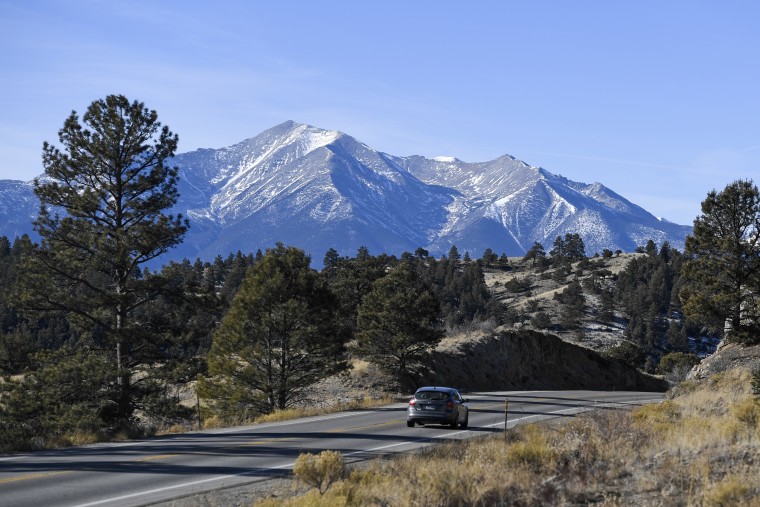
[(319, 189)]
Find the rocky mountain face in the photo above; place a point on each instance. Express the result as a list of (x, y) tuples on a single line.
[(319, 189)]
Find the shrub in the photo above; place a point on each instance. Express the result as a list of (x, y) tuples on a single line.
[(320, 471), (532, 448), (541, 320), (213, 421), (729, 491), (518, 284), (628, 353), (755, 380), (676, 365), (747, 412), (659, 417)]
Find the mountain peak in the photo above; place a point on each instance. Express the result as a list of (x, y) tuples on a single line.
[(319, 189), (446, 159)]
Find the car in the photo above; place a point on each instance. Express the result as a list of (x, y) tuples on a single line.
[(438, 405)]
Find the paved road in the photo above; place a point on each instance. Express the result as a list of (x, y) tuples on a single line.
[(153, 470)]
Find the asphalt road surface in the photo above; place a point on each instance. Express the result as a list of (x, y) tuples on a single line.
[(144, 472)]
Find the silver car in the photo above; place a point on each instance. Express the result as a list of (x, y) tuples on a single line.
[(437, 405)]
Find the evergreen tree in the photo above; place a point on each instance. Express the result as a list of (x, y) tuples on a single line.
[(461, 291), (541, 320), (607, 301), (723, 262), (536, 254), (55, 401), (647, 292), (569, 249), (454, 254), (398, 322), (101, 217), (236, 269), (677, 337), (627, 353), (331, 259), (279, 337), (573, 305), (489, 257), (352, 279)]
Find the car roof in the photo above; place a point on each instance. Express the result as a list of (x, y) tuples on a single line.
[(436, 388)]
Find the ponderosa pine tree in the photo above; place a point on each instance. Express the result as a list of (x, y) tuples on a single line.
[(398, 322), (103, 203), (569, 249), (280, 337), (536, 254), (722, 266)]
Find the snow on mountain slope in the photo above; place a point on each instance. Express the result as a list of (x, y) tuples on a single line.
[(18, 208), (320, 189)]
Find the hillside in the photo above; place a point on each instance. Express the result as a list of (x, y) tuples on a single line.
[(517, 355), (537, 291)]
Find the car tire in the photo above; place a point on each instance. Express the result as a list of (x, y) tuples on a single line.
[(410, 424), (466, 421), (454, 423)]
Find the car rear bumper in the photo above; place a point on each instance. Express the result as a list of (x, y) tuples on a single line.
[(438, 418)]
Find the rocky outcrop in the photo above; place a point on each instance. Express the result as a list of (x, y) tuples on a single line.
[(531, 360), (728, 356)]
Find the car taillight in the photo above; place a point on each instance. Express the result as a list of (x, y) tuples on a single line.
[(450, 404), (412, 401)]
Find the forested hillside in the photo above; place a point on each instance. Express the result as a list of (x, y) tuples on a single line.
[(60, 376)]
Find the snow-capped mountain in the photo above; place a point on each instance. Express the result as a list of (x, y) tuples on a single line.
[(319, 189), (18, 208)]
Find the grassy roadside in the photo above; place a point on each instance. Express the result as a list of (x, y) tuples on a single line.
[(701, 447)]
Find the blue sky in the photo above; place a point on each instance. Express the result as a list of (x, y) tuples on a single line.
[(659, 101)]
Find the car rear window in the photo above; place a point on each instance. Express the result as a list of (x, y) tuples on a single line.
[(431, 395)]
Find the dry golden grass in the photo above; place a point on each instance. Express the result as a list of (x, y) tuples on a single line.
[(700, 448), (215, 421), (295, 413), (66, 440)]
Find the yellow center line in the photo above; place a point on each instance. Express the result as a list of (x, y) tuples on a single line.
[(270, 441), (33, 476), (159, 456), (344, 430), (8, 480)]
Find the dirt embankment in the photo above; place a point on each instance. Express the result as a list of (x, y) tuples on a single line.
[(532, 360)]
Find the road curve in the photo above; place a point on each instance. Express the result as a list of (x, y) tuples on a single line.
[(144, 472)]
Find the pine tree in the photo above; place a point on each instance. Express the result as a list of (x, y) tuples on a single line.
[(352, 279), (573, 305), (723, 262), (56, 400), (398, 322), (607, 302), (489, 257), (569, 249), (536, 254), (279, 337), (102, 216)]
